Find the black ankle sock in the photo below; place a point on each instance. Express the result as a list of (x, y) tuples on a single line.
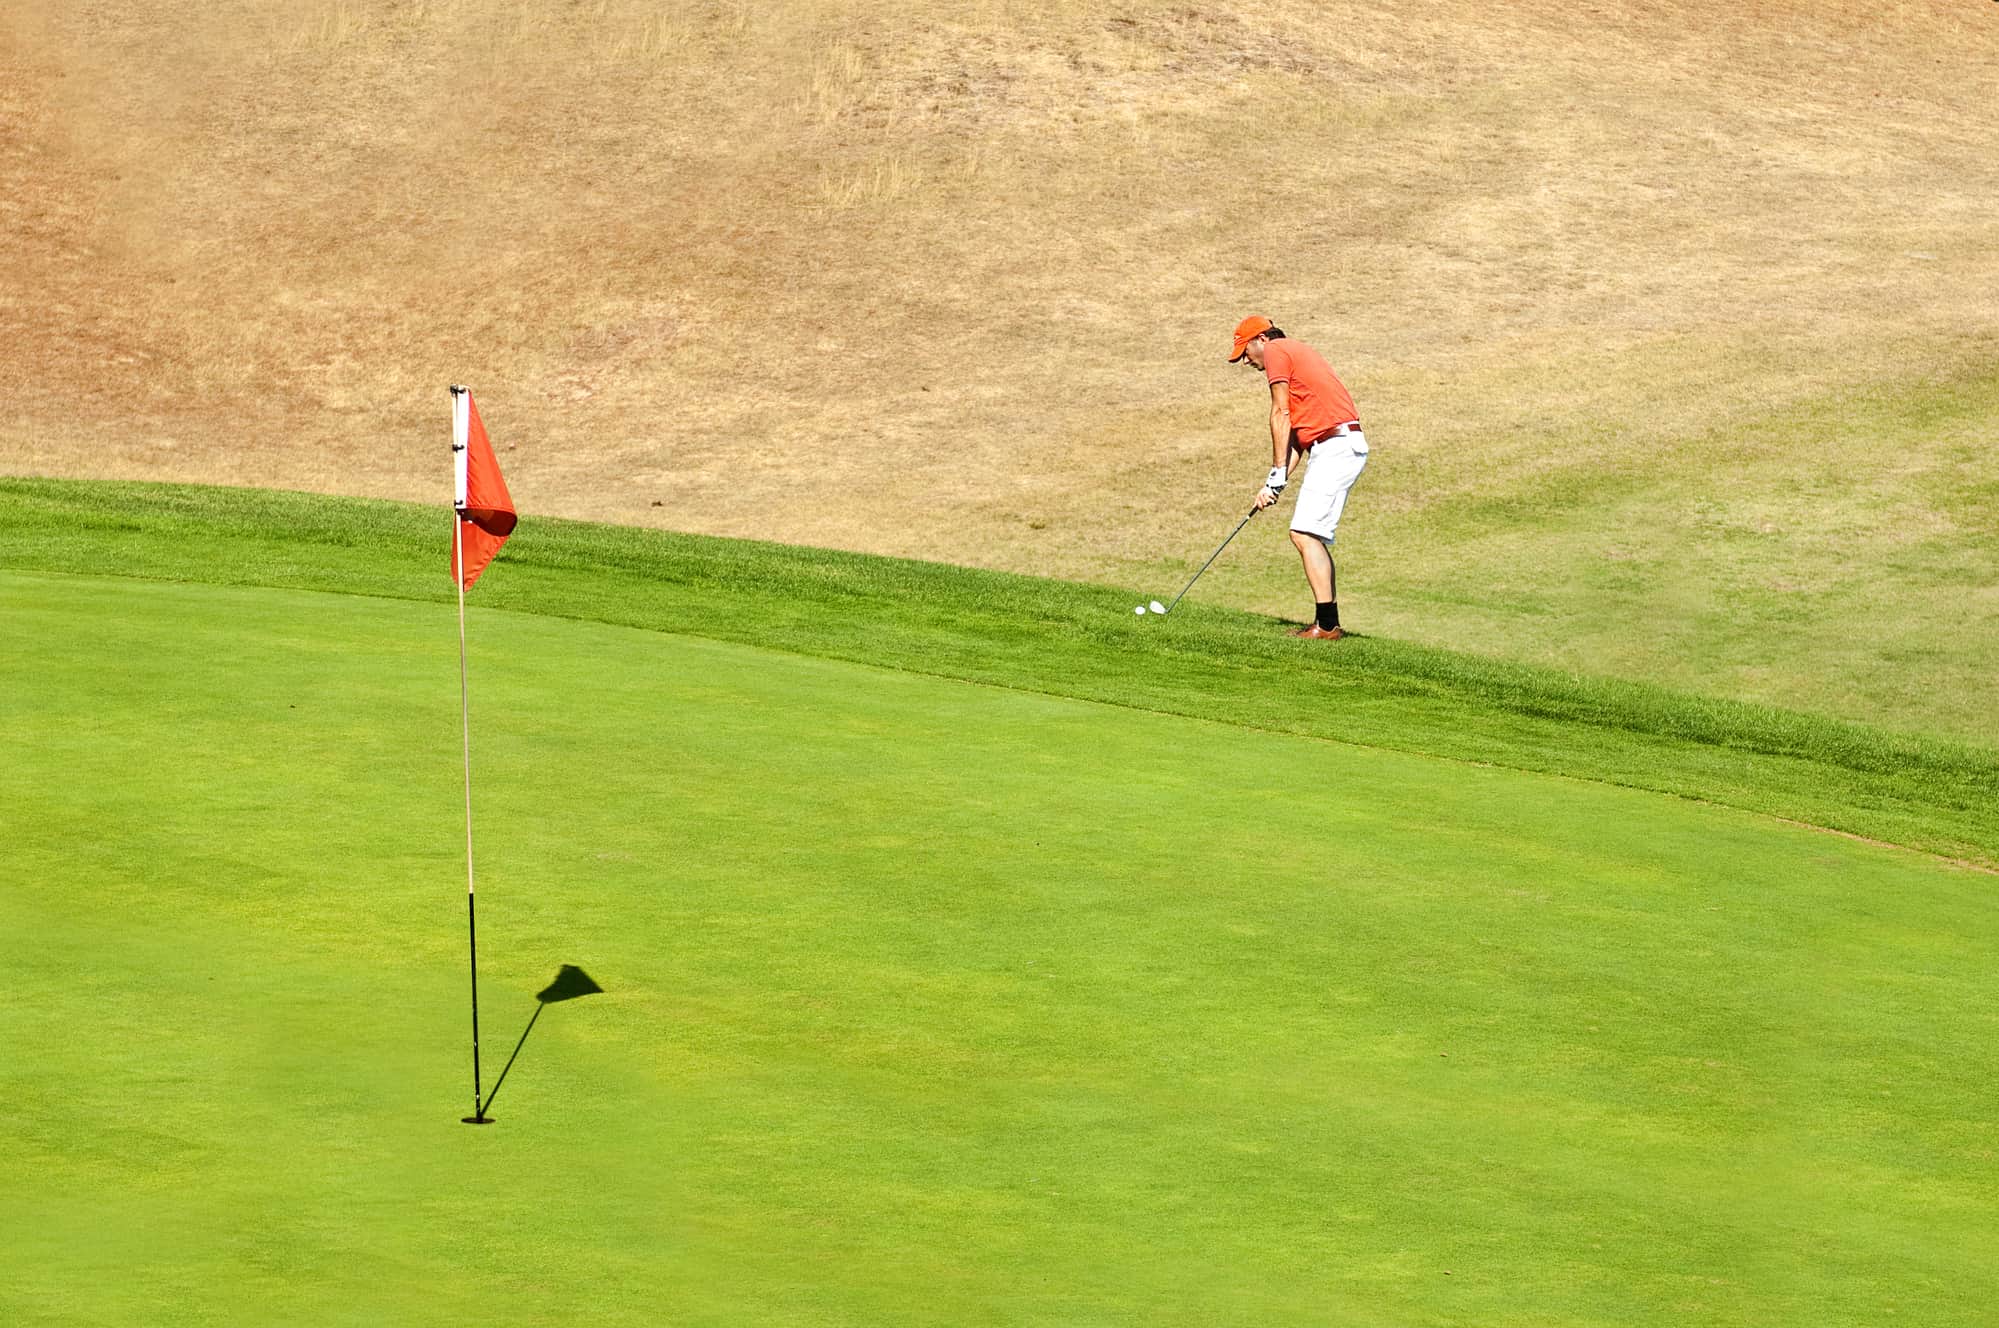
[(1329, 615)]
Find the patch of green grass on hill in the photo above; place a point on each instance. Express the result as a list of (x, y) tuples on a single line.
[(1833, 553), (1047, 636)]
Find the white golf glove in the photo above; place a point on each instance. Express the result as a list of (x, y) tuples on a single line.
[(1276, 480)]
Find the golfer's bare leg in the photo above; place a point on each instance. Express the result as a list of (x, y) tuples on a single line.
[(1318, 561)]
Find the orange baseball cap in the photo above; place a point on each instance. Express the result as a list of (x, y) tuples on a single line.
[(1248, 330)]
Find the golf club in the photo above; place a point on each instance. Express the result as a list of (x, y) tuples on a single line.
[(1157, 608)]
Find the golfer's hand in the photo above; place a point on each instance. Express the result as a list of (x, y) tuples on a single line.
[(1273, 484)]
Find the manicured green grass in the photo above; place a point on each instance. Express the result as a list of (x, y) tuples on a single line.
[(927, 1002)]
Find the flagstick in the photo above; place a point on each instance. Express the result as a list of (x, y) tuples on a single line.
[(478, 1116)]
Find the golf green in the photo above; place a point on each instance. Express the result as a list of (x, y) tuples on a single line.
[(926, 1002)]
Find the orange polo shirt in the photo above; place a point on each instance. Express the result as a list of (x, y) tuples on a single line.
[(1320, 402)]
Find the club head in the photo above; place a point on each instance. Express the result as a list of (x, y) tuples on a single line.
[(1157, 607)]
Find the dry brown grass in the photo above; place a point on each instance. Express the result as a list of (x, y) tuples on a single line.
[(951, 280)]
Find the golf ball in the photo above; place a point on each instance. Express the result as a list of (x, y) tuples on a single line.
[(1139, 609)]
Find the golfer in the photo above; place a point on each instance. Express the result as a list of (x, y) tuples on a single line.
[(1310, 412)]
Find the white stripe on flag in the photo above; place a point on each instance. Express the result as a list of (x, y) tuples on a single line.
[(461, 429)]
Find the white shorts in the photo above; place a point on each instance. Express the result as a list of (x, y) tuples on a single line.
[(1332, 466)]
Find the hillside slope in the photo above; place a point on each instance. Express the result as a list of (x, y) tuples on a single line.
[(1672, 325), (1051, 637)]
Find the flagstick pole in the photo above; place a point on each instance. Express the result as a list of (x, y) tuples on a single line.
[(478, 1116)]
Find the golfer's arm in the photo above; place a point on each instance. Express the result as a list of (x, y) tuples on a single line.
[(1280, 424)]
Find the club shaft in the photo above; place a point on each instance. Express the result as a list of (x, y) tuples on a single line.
[(1211, 560)]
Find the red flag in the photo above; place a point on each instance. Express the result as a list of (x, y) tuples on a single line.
[(485, 509)]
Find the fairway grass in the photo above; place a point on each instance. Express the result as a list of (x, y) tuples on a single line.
[(927, 1002)]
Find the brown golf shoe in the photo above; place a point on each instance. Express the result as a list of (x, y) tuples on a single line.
[(1318, 633)]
